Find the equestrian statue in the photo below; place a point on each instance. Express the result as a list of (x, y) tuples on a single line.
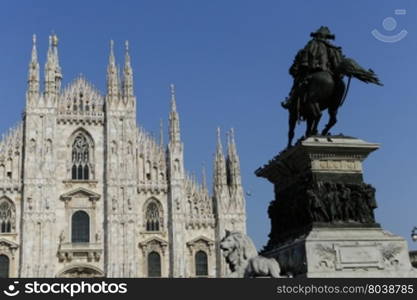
[(318, 70)]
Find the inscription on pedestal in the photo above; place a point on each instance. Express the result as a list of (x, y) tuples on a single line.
[(358, 256)]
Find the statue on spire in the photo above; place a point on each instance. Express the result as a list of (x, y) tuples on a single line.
[(174, 122), (54, 40), (53, 74), (33, 75), (173, 100)]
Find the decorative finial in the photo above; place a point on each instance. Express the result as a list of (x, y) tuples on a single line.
[(111, 46), (232, 135), (219, 141), (34, 57), (161, 132), (172, 88), (204, 179), (173, 101), (127, 56), (54, 39)]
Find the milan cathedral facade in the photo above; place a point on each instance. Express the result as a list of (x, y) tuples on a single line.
[(86, 192)]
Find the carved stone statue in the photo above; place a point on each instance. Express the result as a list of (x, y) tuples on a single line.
[(61, 238), (318, 70), (114, 203), (98, 237), (243, 259)]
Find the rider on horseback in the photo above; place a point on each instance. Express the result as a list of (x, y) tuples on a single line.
[(317, 55), (318, 72)]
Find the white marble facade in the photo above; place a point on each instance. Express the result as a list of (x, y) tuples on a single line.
[(86, 192)]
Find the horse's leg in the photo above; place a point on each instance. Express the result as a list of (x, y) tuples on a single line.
[(334, 102), (309, 126), (332, 121), (314, 118), (316, 124), (292, 121)]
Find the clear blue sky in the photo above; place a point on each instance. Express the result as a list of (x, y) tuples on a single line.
[(229, 61)]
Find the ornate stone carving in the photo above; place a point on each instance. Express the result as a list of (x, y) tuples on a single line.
[(201, 243), (81, 271), (153, 244), (80, 101), (243, 259), (390, 254), (81, 192), (7, 215), (8, 247), (89, 251), (328, 257)]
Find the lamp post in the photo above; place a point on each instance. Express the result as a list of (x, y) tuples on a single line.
[(414, 234), (413, 254)]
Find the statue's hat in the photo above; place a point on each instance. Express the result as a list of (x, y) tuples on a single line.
[(323, 32)]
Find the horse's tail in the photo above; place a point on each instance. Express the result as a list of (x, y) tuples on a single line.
[(351, 68)]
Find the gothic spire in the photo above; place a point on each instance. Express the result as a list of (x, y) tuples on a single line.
[(204, 177), (173, 99), (112, 76), (127, 76), (174, 121), (161, 132), (33, 73), (233, 164), (219, 147), (34, 56), (112, 60), (220, 177), (53, 75), (58, 73)]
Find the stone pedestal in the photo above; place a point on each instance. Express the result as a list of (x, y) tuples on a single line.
[(322, 218)]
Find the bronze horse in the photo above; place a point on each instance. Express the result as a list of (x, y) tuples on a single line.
[(321, 91)]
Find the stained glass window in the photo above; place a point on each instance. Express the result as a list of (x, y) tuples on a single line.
[(6, 216), (80, 158), (152, 217)]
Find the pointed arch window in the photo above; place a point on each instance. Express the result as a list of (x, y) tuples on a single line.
[(201, 265), (152, 217), (80, 227), (4, 266), (154, 264), (7, 213), (80, 158)]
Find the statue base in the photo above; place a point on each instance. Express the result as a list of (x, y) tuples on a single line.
[(345, 252), (322, 218)]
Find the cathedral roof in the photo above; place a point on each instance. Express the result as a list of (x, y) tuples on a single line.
[(12, 140), (81, 95)]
